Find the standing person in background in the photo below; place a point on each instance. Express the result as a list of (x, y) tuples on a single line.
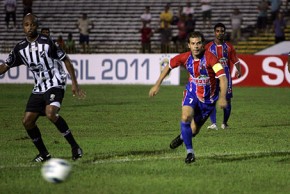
[(10, 7), (70, 44), (190, 24), (146, 16), (262, 18), (166, 17), (84, 24), (188, 9), (236, 22), (146, 34), (279, 28), (42, 57), (165, 38), (27, 6), (60, 42), (201, 93), (226, 54), (206, 12), (275, 6)]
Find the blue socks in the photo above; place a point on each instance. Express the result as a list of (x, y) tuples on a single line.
[(212, 116), (186, 134), (227, 113)]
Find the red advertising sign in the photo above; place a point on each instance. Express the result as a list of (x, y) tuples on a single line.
[(263, 70)]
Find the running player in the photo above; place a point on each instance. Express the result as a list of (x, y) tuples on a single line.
[(201, 93), (39, 53)]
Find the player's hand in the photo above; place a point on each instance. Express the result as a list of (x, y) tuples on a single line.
[(78, 92), (238, 74), (153, 91), (222, 103)]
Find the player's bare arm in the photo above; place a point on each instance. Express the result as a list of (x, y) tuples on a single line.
[(76, 90), (222, 102), (154, 90), (3, 68), (239, 72)]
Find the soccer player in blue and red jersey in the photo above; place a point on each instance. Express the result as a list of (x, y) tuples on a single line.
[(226, 54), (44, 59), (201, 93)]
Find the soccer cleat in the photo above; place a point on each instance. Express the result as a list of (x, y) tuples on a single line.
[(77, 153), (189, 158), (176, 142), (224, 126), (213, 126), (42, 157)]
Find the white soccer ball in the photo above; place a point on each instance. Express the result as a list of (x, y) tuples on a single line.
[(56, 170)]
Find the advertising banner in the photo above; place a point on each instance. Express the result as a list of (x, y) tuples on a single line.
[(107, 69)]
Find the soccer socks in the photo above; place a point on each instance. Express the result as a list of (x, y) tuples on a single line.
[(35, 136), (212, 116), (64, 129), (227, 113), (186, 134)]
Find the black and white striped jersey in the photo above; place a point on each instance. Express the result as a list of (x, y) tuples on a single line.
[(43, 58)]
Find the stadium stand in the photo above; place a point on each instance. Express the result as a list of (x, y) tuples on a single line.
[(117, 22)]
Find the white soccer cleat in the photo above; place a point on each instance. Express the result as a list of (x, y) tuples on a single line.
[(224, 126), (213, 126)]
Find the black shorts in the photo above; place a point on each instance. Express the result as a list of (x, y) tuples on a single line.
[(38, 102)]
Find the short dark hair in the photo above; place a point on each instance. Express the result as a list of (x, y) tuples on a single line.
[(45, 29), (195, 34), (219, 25)]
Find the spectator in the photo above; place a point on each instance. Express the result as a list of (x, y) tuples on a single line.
[(60, 42), (27, 6), (45, 31), (166, 34), (262, 16), (84, 25), (279, 27), (166, 17), (146, 16), (181, 26), (70, 44), (275, 6), (188, 9), (236, 21), (10, 11), (146, 34), (206, 12), (190, 24)]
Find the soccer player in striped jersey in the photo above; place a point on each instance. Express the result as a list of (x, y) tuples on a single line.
[(226, 54), (42, 57), (201, 92)]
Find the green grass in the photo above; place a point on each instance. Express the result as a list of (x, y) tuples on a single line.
[(125, 137)]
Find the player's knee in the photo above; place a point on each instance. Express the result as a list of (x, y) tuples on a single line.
[(28, 123), (186, 118), (51, 116)]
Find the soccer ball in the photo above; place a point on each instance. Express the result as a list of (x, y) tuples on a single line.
[(55, 170)]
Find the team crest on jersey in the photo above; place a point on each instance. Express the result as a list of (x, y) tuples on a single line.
[(52, 97)]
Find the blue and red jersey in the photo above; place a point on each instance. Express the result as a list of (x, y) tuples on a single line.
[(203, 73), (227, 56)]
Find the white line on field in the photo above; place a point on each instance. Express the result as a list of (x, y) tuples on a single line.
[(139, 158)]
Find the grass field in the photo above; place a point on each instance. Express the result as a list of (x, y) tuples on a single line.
[(125, 137)]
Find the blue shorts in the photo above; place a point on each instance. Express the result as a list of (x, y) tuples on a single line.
[(201, 110), (84, 39)]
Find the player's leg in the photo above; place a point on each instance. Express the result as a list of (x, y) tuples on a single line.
[(51, 111), (33, 110), (227, 114), (213, 120)]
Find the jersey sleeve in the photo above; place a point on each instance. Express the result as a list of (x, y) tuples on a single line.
[(233, 56), (179, 60), (13, 59), (56, 51)]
